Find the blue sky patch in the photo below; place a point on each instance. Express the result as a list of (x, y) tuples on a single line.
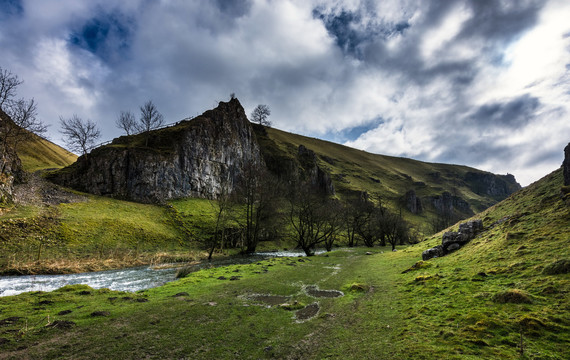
[(353, 133), (107, 35), (10, 8)]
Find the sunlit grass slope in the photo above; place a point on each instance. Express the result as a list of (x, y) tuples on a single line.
[(505, 294), (94, 233), (37, 153)]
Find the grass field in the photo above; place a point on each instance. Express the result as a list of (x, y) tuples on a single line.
[(502, 296)]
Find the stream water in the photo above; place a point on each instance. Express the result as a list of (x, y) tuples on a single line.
[(131, 279)]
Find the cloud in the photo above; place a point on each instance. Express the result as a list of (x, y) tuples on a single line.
[(481, 83)]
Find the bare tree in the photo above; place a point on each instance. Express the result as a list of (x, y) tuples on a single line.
[(23, 125), (150, 119), (79, 135), (127, 122), (222, 206), (22, 113), (260, 114), (257, 192), (312, 218), (8, 84)]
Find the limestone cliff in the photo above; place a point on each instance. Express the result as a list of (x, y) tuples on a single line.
[(193, 158), (497, 186), (10, 165)]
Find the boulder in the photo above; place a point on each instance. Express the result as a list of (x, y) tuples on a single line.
[(432, 253), (470, 229), (453, 247), (453, 240)]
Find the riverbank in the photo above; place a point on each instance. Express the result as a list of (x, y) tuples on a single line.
[(73, 266)]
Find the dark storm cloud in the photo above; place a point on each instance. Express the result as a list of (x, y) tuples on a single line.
[(11, 8), (107, 35), (515, 113), (500, 21)]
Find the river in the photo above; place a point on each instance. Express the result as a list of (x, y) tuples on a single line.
[(131, 279)]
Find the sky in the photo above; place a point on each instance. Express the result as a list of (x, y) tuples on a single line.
[(483, 83)]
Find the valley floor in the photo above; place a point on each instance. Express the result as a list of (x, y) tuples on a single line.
[(252, 312)]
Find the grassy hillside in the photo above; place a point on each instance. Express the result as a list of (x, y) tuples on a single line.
[(383, 176), (506, 293), (502, 296), (37, 153)]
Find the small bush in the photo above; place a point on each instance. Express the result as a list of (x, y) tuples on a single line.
[(513, 296)]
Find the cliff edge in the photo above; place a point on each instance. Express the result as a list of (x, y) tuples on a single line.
[(193, 158)]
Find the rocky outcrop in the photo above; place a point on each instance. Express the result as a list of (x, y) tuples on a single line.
[(447, 203), (452, 240), (566, 165), (313, 173), (10, 165), (498, 186), (413, 203), (194, 158)]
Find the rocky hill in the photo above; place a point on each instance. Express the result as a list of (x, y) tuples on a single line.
[(196, 158)]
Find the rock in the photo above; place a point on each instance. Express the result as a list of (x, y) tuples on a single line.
[(313, 173), (453, 247), (194, 158), (566, 165), (470, 229), (413, 203), (452, 240), (10, 166), (447, 203), (434, 252), (483, 183)]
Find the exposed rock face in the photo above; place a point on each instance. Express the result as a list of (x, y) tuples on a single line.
[(452, 240), (194, 158), (491, 184), (566, 165), (316, 176), (446, 203), (413, 203), (10, 166)]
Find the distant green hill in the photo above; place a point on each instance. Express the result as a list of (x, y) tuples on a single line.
[(37, 153), (393, 179)]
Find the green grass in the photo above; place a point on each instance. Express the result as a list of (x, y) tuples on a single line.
[(96, 233), (492, 299), (39, 154)]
